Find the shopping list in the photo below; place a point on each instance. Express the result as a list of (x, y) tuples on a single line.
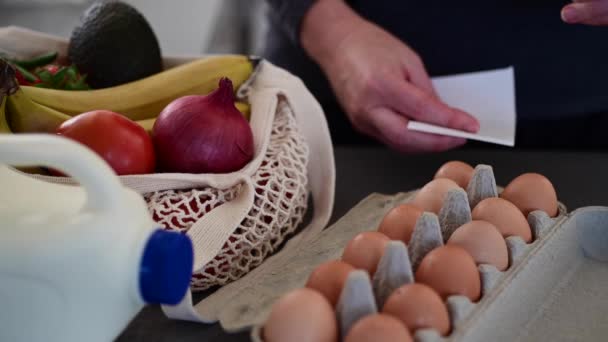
[(487, 95)]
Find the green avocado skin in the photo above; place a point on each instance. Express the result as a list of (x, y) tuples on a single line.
[(114, 44)]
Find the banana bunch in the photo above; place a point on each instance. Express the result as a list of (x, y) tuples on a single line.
[(4, 127), (32, 109)]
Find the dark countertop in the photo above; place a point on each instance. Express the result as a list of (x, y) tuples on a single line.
[(579, 178)]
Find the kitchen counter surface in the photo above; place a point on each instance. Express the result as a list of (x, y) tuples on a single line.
[(578, 176)]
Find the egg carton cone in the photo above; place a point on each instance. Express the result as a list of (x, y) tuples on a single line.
[(394, 270), (482, 185), (425, 237), (455, 212), (356, 301), (540, 223)]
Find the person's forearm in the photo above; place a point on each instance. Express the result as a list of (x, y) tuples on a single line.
[(324, 26)]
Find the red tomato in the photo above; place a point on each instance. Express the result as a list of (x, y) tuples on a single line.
[(121, 142)]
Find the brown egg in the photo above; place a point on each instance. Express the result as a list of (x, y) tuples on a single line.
[(459, 172), (532, 191), (378, 328), (328, 278), (483, 242), (365, 250), (418, 307), (505, 216), (399, 222), (430, 197), (302, 315), (450, 270)]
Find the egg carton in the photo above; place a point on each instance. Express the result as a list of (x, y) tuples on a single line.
[(552, 290)]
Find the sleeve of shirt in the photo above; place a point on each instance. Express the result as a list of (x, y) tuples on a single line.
[(289, 14)]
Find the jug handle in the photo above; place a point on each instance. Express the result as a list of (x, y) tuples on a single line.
[(97, 178)]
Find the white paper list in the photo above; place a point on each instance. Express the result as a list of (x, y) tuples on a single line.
[(487, 95)]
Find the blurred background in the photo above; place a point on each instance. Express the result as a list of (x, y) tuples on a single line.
[(183, 27)]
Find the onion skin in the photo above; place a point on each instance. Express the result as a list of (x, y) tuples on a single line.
[(203, 134)]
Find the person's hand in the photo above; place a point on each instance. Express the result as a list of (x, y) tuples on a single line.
[(382, 85), (590, 12)]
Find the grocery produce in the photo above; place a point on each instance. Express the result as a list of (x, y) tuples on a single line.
[(146, 98), (483, 242), (147, 124), (459, 172), (4, 127), (25, 77), (399, 222), (450, 270), (36, 61), (20, 114), (302, 315), (328, 278), (532, 191), (123, 144), (505, 216), (430, 197), (43, 71), (418, 307), (203, 134), (114, 44), (25, 115), (378, 328), (56, 76), (243, 107), (365, 250)]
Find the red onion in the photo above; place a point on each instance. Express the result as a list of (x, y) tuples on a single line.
[(203, 134)]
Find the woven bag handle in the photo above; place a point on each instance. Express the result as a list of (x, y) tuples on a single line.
[(210, 233)]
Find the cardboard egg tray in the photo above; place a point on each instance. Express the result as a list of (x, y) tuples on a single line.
[(555, 288)]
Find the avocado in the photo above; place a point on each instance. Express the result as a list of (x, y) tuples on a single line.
[(114, 44)]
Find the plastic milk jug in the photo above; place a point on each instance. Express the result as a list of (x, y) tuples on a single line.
[(77, 263)]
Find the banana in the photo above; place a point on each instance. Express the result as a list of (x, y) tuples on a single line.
[(18, 113), (4, 127), (147, 124), (145, 98), (25, 115), (244, 108)]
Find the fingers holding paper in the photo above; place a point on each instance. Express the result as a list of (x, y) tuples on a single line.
[(391, 128), (385, 112), (417, 104)]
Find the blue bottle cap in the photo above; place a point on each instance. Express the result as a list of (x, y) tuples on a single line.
[(166, 268)]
